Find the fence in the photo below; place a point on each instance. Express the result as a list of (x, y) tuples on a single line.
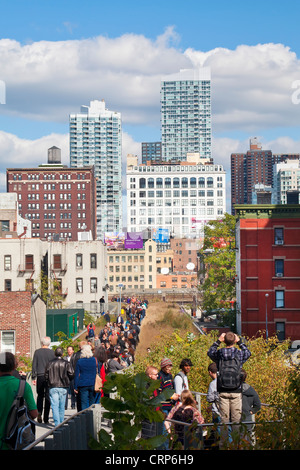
[(74, 433)]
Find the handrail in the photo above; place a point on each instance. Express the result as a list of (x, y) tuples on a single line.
[(66, 422)]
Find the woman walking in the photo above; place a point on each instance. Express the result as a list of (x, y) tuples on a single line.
[(85, 375)]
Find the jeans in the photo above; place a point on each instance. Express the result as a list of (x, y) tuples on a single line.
[(87, 396), (58, 401)]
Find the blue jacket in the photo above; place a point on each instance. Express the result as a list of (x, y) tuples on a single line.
[(85, 372)]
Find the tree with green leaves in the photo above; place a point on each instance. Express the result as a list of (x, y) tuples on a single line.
[(218, 263), (50, 291), (132, 403)]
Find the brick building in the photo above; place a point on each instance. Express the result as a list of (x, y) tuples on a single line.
[(268, 270), (59, 201), (22, 322), (185, 252), (252, 168)]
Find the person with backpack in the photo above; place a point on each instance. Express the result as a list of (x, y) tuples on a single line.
[(229, 360), (181, 380), (91, 331), (9, 386)]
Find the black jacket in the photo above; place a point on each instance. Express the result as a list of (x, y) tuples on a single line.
[(58, 373)]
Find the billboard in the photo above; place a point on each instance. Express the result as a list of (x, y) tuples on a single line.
[(114, 240), (133, 241), (161, 235)]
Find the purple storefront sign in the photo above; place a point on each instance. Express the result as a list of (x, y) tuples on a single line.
[(133, 241)]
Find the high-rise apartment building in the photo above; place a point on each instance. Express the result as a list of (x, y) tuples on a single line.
[(151, 152), (249, 169), (59, 201), (95, 139), (186, 114), (287, 180), (253, 168)]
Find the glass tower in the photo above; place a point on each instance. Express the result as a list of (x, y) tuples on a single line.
[(95, 139), (186, 114)]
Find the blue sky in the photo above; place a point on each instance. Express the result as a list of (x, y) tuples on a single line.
[(200, 24), (56, 56)]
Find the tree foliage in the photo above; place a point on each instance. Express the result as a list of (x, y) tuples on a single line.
[(218, 261), (132, 403), (269, 372)]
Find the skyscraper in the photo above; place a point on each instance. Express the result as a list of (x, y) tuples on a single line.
[(186, 114), (151, 152), (249, 169), (95, 139), (255, 167)]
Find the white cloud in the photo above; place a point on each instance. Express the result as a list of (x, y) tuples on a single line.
[(251, 90), (16, 152), (251, 85), (48, 80)]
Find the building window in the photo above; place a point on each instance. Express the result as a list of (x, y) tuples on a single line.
[(7, 285), (79, 285), (94, 305), (4, 225), (29, 262), (279, 267), (57, 261), (279, 299), (93, 284), (280, 331), (278, 236), (8, 342), (93, 261), (79, 260), (7, 262)]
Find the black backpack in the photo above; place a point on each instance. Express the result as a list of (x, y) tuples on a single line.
[(229, 374), (20, 429)]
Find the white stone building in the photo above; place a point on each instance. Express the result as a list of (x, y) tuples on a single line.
[(181, 197)]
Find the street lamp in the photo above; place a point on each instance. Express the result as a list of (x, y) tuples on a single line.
[(267, 295)]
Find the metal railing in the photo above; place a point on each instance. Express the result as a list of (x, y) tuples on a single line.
[(73, 433)]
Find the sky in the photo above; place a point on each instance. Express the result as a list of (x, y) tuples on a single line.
[(56, 56)]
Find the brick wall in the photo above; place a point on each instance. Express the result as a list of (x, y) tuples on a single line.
[(15, 315)]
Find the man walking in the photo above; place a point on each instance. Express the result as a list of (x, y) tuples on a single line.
[(40, 360), (58, 374)]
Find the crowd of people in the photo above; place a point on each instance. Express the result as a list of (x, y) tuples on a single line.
[(231, 403), (60, 376)]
